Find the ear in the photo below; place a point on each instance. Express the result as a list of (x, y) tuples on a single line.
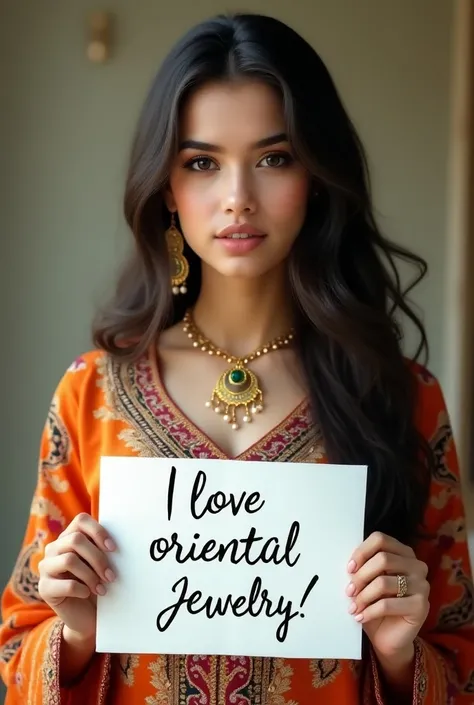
[(169, 199)]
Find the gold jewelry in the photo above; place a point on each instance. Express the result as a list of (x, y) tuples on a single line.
[(237, 386), (402, 585), (178, 263)]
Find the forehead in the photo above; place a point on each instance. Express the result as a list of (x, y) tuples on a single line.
[(232, 112)]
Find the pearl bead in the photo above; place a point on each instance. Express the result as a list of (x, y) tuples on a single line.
[(175, 290), (208, 404), (259, 408), (235, 426), (190, 336), (247, 419), (183, 290), (218, 410), (253, 410), (226, 417), (195, 344), (203, 348)]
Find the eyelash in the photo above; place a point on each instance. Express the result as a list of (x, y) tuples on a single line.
[(287, 160)]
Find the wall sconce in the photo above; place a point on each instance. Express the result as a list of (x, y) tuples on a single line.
[(99, 37)]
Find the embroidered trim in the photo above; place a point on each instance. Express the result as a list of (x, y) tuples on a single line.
[(263, 672), (123, 390), (108, 412), (104, 679), (50, 667), (161, 682), (280, 684), (137, 394), (420, 681), (236, 673), (51, 691), (284, 442), (202, 675), (132, 440), (216, 680), (377, 686), (420, 684)]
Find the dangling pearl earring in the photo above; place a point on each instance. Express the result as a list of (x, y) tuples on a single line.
[(178, 263)]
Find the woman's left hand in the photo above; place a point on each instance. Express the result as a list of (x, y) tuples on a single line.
[(390, 622)]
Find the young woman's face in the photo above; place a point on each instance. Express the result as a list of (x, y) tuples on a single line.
[(235, 167)]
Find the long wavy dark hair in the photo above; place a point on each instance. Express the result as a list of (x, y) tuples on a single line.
[(346, 290)]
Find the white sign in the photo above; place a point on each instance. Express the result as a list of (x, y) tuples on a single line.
[(230, 558)]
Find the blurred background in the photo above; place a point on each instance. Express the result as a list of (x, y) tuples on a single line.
[(404, 70)]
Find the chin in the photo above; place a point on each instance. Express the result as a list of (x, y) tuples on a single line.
[(240, 269)]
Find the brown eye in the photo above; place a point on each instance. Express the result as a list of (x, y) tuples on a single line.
[(201, 164), (276, 160)]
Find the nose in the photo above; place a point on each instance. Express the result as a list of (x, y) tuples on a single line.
[(239, 195)]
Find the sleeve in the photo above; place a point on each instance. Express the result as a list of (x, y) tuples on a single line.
[(30, 632), (444, 649)]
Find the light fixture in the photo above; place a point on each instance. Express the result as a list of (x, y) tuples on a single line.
[(99, 37)]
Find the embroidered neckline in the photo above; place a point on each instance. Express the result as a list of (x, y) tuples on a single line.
[(302, 410)]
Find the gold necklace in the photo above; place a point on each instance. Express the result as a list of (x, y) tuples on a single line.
[(237, 386)]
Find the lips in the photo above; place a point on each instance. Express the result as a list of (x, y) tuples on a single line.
[(239, 236), (244, 231)]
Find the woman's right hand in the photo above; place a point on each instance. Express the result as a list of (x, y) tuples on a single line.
[(74, 570)]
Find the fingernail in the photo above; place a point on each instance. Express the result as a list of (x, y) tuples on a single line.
[(110, 575), (109, 545), (359, 617), (352, 566), (352, 608), (100, 589), (350, 590)]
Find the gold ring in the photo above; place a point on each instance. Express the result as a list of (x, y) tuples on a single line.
[(402, 585)]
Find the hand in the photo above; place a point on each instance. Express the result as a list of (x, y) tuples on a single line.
[(391, 623), (74, 570)]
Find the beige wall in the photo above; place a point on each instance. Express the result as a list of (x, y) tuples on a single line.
[(65, 129)]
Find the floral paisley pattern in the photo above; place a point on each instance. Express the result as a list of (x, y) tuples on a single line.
[(57, 456), (324, 671)]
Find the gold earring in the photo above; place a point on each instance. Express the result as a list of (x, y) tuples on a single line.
[(178, 263)]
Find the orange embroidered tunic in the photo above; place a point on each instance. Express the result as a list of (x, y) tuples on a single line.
[(103, 407)]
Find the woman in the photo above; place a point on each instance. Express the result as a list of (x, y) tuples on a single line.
[(244, 148)]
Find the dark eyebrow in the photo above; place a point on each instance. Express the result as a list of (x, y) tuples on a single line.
[(207, 147)]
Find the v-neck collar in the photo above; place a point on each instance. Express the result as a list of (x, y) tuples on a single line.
[(301, 410), (160, 428)]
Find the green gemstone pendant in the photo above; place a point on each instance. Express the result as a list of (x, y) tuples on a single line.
[(238, 387), (236, 376)]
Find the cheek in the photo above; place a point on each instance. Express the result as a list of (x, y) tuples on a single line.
[(288, 199), (192, 198)]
